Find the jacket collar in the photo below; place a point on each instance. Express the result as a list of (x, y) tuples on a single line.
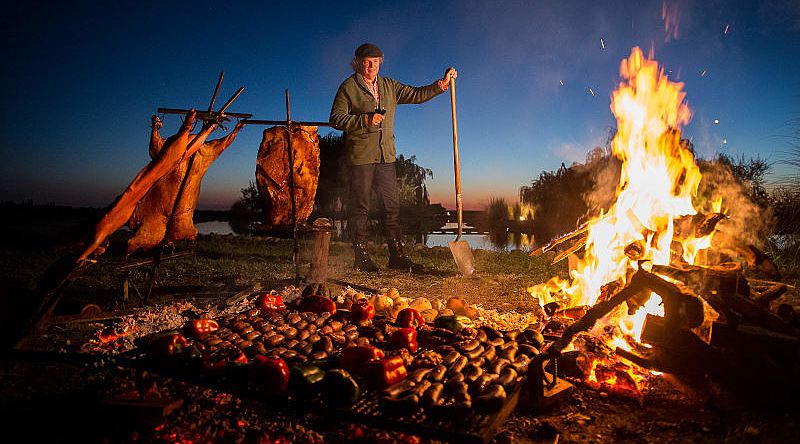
[(363, 84)]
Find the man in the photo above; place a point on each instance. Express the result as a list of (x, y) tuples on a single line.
[(364, 109)]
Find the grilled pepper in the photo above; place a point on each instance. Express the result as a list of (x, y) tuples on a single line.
[(317, 304), (386, 372), (303, 379), (340, 388), (169, 344), (409, 317), (453, 323), (355, 358), (404, 338), (197, 328), (271, 374), (362, 310), (221, 357), (269, 302)]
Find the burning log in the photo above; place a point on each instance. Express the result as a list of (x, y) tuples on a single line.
[(561, 239), (682, 308), (770, 294)]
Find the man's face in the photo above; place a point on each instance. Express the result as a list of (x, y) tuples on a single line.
[(370, 66)]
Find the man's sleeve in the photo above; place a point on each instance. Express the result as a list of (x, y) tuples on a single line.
[(415, 94), (341, 118)]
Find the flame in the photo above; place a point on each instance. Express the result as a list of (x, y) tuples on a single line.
[(659, 179)]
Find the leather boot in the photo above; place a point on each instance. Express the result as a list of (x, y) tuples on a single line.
[(362, 260), (397, 258)]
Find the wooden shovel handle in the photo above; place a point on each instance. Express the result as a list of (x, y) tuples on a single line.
[(456, 163)]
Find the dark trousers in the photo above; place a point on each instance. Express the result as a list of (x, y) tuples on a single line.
[(381, 177)]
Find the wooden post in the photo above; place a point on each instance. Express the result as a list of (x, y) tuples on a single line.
[(318, 272)]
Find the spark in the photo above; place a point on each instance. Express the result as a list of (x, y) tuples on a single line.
[(561, 82), (591, 91), (724, 141), (602, 43), (716, 121), (703, 74), (726, 29)]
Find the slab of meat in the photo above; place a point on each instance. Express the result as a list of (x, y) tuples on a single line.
[(183, 224), (152, 214), (272, 173), (175, 149)]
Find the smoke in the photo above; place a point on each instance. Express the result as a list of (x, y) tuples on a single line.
[(747, 222)]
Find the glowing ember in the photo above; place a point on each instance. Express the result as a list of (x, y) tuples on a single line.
[(659, 178)]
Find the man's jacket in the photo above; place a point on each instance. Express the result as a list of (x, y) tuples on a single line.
[(373, 144)]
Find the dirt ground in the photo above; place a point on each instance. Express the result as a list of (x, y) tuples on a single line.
[(64, 395)]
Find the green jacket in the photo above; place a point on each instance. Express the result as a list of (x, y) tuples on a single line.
[(365, 144)]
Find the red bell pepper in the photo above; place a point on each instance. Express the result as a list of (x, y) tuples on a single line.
[(362, 310), (404, 338), (355, 357), (386, 372), (169, 344), (197, 328), (317, 304), (270, 302), (409, 317), (272, 374)]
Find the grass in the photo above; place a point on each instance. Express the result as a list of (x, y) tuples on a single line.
[(229, 263)]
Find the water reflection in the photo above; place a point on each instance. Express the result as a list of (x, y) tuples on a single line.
[(492, 241)]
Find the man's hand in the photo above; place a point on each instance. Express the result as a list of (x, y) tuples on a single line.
[(373, 119), (449, 73)]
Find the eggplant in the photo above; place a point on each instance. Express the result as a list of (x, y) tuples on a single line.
[(508, 377), (471, 372), (419, 374), (497, 365), (457, 365), (433, 394), (437, 374), (481, 384), (492, 400)]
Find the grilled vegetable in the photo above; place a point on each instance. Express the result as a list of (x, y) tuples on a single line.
[(269, 302), (404, 338), (409, 317), (317, 304), (362, 310), (339, 388), (270, 374), (386, 372), (197, 328)]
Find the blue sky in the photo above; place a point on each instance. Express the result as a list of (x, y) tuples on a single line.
[(83, 78)]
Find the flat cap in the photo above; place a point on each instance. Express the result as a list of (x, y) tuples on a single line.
[(368, 50)]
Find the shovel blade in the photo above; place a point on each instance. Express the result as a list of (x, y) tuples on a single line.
[(462, 254)]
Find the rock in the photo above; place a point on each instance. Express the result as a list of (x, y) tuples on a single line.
[(421, 304), (429, 315), (457, 304)]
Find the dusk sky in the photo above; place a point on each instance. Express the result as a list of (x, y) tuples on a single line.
[(82, 79)]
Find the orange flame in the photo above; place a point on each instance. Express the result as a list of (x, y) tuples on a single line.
[(659, 178)]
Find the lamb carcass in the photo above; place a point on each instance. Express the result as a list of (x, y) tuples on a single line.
[(182, 227), (175, 149), (272, 173), (152, 214)]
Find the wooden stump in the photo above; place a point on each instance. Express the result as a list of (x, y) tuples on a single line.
[(318, 272)]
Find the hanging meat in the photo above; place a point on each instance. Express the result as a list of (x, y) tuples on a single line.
[(152, 214), (182, 227), (272, 173), (174, 150)]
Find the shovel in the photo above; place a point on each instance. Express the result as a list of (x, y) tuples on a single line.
[(459, 247)]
